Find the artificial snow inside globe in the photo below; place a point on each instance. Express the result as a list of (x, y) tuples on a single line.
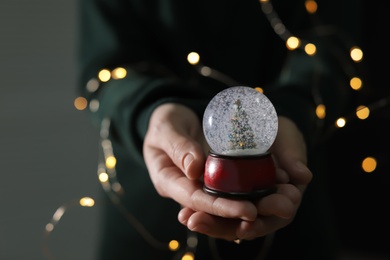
[(240, 125)]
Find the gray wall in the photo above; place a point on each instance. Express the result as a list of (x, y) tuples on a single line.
[(48, 149)]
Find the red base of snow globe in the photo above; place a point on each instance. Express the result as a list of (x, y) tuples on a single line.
[(240, 177)]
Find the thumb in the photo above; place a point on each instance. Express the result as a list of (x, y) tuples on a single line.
[(175, 129)]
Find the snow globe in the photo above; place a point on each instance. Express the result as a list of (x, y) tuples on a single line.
[(240, 125)]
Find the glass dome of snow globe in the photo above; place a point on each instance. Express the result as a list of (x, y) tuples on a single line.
[(240, 125)]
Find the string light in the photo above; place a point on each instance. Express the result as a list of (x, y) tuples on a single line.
[(107, 176), (119, 73), (369, 164), (362, 112), (55, 219), (356, 83), (104, 75), (194, 59), (80, 103), (311, 6), (321, 111), (356, 54), (106, 168)]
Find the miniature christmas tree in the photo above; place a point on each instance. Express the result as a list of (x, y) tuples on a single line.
[(241, 134)]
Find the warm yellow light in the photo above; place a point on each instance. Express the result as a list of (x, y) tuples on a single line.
[(310, 49), (341, 122), (362, 112), (119, 73), (356, 83), (104, 75), (292, 43), (80, 103), (321, 111), (264, 1), (259, 89), (110, 162), (188, 256), (87, 202), (193, 58), (173, 245), (311, 6), (369, 164), (356, 54), (103, 177)]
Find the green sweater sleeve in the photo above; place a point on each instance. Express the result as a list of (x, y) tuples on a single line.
[(109, 39)]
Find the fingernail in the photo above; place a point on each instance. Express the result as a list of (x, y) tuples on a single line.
[(187, 160)]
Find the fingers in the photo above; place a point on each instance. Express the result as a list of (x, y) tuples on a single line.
[(176, 130), (283, 204), (175, 156), (289, 152), (275, 211), (171, 149), (170, 182), (229, 229), (209, 225)]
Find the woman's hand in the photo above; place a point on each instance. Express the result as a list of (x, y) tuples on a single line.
[(175, 154)]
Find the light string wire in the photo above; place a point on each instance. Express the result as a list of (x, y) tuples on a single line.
[(349, 66), (108, 178), (57, 216), (113, 189)]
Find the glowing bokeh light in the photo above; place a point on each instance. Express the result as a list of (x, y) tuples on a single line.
[(259, 89), (119, 73), (356, 54), (103, 177), (87, 202), (356, 83), (362, 112), (193, 58), (104, 75), (369, 164), (311, 6), (110, 162), (80, 103), (310, 49), (173, 245), (188, 256), (292, 43), (341, 122), (321, 111)]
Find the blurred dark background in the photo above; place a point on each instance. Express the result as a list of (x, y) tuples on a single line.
[(49, 150)]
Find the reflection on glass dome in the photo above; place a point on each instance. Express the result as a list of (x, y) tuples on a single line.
[(240, 121)]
